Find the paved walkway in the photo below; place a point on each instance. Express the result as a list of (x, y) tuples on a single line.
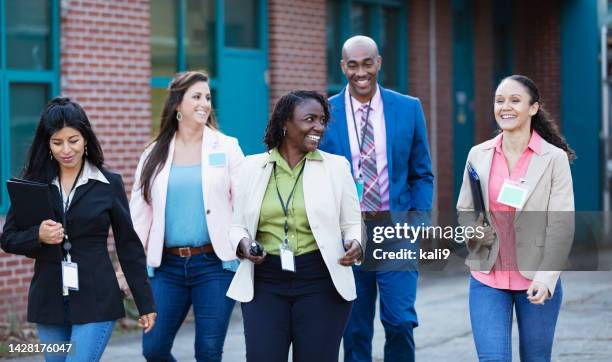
[(584, 329)]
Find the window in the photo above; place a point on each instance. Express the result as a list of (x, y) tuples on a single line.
[(29, 77), (383, 21), (182, 38)]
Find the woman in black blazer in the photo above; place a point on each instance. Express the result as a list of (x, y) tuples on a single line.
[(66, 155)]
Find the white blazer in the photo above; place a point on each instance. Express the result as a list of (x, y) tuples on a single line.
[(332, 208), (219, 184)]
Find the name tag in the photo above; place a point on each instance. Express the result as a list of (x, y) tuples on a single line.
[(216, 159), (70, 275), (513, 194), (287, 259)]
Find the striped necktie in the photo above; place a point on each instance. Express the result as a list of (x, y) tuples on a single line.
[(371, 200)]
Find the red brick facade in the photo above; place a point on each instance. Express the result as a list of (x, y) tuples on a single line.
[(297, 58), (537, 48), (106, 67)]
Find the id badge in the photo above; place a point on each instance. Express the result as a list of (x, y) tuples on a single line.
[(287, 259), (216, 159), (70, 275), (359, 185), (513, 194)]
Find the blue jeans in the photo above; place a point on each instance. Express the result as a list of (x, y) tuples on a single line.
[(178, 284), (491, 312), (88, 340), (397, 314)]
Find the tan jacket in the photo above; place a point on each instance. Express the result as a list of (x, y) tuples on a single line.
[(332, 208), (544, 238)]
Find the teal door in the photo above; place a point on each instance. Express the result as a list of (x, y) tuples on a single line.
[(463, 87), (242, 90)]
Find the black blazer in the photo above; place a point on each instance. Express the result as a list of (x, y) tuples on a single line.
[(95, 207)]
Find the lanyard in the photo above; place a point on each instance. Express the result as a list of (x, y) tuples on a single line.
[(360, 139), (286, 206), (66, 245)]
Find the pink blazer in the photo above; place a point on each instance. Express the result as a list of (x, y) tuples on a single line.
[(218, 189)]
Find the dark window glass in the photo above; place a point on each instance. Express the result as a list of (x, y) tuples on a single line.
[(241, 23), (334, 42), (360, 21), (26, 103), (200, 35), (389, 42), (28, 29), (164, 48)]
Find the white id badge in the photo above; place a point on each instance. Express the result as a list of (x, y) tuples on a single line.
[(513, 194), (287, 259), (70, 275)]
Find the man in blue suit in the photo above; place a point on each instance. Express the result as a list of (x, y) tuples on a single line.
[(382, 134)]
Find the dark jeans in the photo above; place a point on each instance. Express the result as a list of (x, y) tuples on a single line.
[(302, 308), (179, 283), (491, 312)]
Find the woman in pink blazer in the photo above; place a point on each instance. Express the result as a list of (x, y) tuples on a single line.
[(528, 198), (181, 209)]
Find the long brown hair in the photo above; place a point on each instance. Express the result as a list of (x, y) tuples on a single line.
[(542, 122), (168, 127)]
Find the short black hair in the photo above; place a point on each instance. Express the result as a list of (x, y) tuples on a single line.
[(283, 111)]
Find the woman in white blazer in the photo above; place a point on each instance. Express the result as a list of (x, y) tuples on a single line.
[(181, 208), (300, 204), (529, 201)]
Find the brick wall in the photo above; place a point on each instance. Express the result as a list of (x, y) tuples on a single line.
[(105, 66), (537, 48), (419, 84), (483, 71), (297, 58)]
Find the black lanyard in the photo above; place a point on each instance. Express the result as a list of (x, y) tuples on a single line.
[(280, 198), (66, 243), (360, 139)]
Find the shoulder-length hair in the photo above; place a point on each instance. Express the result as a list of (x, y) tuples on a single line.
[(168, 127), (60, 112)]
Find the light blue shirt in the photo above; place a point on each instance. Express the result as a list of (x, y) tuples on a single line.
[(185, 215)]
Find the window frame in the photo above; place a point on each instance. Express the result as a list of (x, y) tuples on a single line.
[(49, 77), (162, 82), (375, 21)]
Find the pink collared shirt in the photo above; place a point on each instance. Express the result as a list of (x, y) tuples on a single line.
[(505, 274), (377, 117)]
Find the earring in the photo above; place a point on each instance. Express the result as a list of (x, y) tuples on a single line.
[(50, 155), (284, 132), (86, 154), (179, 116)]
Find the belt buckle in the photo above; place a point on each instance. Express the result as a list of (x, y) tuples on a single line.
[(185, 252)]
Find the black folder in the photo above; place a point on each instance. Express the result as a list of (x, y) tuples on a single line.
[(479, 206), (30, 202)]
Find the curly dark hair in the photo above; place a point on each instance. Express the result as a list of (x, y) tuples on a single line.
[(542, 122), (283, 112)]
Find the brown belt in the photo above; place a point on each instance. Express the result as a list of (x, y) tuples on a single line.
[(186, 252)]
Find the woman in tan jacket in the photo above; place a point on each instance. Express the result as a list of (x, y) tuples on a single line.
[(528, 199)]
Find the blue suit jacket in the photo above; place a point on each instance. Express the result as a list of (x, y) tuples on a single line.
[(409, 164)]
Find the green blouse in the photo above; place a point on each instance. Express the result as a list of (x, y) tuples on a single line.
[(270, 231)]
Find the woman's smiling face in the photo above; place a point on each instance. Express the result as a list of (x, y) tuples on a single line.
[(512, 107)]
